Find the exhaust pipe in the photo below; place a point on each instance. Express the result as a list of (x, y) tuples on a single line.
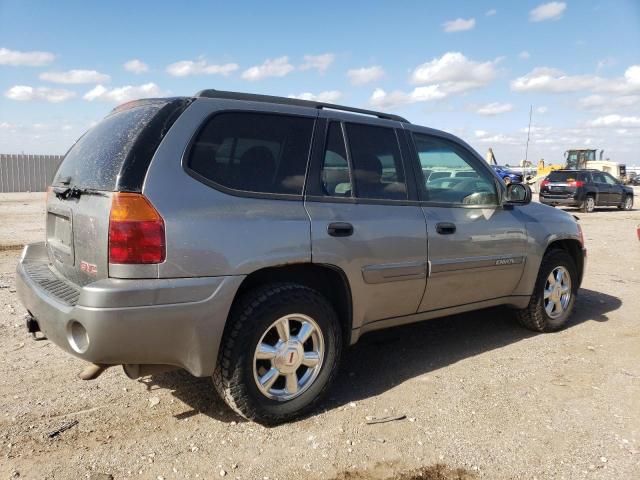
[(136, 370)]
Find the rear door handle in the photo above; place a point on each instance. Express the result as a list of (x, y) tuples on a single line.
[(445, 228), (340, 229)]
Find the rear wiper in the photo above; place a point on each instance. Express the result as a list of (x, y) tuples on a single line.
[(64, 193)]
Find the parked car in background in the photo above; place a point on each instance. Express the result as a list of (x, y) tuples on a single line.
[(507, 175), (585, 189), (252, 238)]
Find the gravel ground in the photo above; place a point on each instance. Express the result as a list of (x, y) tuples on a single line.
[(483, 398)]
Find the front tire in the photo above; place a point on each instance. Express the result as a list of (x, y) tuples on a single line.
[(554, 295), (627, 203), (279, 354)]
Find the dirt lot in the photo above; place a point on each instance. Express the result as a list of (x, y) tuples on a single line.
[(483, 398)]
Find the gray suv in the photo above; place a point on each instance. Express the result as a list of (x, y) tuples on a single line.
[(252, 238)]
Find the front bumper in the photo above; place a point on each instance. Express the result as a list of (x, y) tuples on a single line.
[(177, 321)]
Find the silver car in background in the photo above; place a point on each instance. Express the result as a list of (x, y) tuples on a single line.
[(252, 238)]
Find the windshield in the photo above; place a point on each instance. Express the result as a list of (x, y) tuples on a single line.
[(96, 159)]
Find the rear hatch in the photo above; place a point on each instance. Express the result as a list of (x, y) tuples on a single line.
[(112, 156), (562, 184)]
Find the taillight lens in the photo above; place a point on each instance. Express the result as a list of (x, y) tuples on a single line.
[(136, 230), (577, 183), (544, 183)]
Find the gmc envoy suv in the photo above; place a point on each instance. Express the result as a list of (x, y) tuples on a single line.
[(252, 238)]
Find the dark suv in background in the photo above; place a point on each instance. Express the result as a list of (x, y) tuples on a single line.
[(585, 189)]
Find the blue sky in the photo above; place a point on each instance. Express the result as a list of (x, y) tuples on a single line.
[(471, 68)]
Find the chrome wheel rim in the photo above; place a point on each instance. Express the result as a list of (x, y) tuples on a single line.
[(591, 203), (288, 357), (557, 292), (628, 204)]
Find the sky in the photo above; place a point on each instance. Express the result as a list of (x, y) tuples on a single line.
[(470, 68)]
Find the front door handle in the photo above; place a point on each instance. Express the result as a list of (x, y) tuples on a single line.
[(445, 228), (340, 229)]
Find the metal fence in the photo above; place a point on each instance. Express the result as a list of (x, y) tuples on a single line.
[(27, 173)]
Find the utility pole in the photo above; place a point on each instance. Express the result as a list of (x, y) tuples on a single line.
[(526, 152)]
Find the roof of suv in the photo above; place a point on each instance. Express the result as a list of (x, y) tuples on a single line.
[(252, 97)]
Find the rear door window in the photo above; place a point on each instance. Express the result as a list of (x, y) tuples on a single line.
[(376, 161), (336, 176), (253, 152), (97, 158)]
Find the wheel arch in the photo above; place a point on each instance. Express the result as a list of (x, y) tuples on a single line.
[(574, 248), (329, 280)]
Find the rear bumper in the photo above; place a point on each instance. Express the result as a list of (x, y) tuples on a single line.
[(145, 321), (567, 202)]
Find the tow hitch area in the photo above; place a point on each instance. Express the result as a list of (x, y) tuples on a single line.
[(32, 327)]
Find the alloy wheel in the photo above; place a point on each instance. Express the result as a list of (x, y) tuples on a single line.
[(288, 357), (557, 292)]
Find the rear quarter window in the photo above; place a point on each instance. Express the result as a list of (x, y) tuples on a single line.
[(96, 159), (253, 152)]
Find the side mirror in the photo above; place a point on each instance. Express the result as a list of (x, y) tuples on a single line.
[(518, 194)]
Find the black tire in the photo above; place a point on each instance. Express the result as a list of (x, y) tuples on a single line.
[(588, 206), (534, 316), (251, 317), (626, 206)]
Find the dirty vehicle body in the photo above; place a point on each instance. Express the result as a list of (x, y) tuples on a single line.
[(585, 189), (253, 238)]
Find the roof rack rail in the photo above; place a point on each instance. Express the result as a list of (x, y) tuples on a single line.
[(252, 97)]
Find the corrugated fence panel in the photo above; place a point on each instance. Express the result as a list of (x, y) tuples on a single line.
[(27, 173)]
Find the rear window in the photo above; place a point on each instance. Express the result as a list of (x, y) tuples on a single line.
[(563, 176), (253, 152), (96, 160)]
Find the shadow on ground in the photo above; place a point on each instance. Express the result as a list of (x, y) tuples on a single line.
[(386, 358)]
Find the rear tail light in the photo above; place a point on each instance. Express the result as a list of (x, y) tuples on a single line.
[(136, 230), (577, 183), (544, 183)]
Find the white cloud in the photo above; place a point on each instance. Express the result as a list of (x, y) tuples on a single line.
[(494, 108), (318, 62), (615, 120), (185, 68), (276, 67), (124, 94), (524, 55), (450, 74), (72, 77), (330, 96), (382, 99), (491, 13), (136, 66), (360, 76), (607, 102), (453, 72), (16, 58), (547, 11), (459, 25), (551, 80), (24, 93), (542, 109)]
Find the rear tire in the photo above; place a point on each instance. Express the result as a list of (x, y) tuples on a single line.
[(589, 204), (539, 316), (244, 373)]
